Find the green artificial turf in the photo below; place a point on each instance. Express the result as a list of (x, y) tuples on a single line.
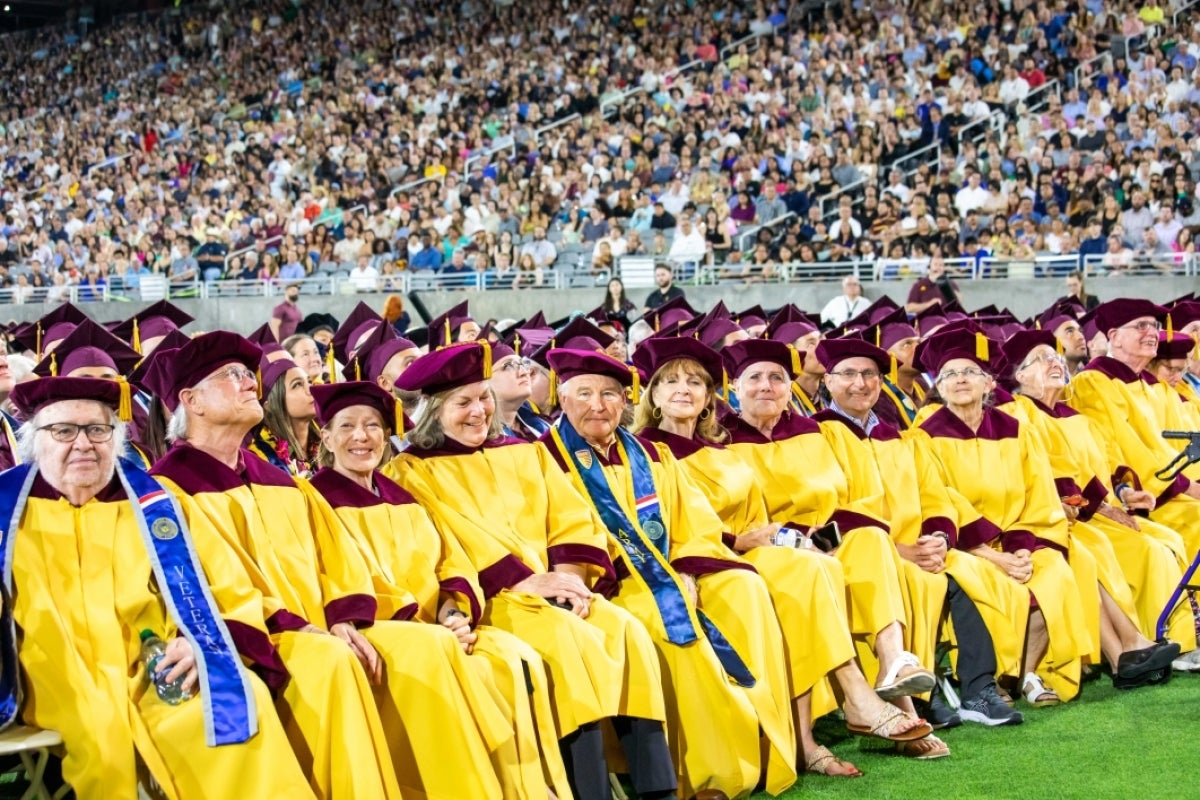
[(1140, 745)]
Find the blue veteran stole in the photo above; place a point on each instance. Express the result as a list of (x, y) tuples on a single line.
[(645, 540), (230, 716), (530, 419)]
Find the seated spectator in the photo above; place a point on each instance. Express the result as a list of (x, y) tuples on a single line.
[(364, 277)]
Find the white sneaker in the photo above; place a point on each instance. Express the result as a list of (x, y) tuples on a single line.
[(1188, 662)]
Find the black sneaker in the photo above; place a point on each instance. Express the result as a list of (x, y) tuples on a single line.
[(986, 708), (936, 712)]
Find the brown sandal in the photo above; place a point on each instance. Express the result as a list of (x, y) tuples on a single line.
[(819, 761), (926, 749), (887, 726)]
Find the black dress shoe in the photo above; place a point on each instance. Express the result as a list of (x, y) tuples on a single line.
[(711, 794)]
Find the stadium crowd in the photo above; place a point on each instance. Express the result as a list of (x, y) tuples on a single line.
[(282, 141)]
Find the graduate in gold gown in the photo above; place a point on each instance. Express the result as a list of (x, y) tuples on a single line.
[(1127, 552), (1131, 409), (87, 577), (776, 441), (878, 461), (287, 437), (422, 576), (1009, 513), (538, 551), (378, 707), (666, 544), (678, 411)]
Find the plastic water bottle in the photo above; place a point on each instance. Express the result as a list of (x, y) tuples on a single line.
[(153, 650)]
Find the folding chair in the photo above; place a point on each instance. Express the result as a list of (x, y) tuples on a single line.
[(1189, 456), (33, 746)]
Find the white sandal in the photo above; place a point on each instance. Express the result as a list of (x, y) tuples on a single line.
[(1036, 693), (918, 682)]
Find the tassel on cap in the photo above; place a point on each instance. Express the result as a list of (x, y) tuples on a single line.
[(487, 359), (725, 383), (331, 364), (357, 369), (635, 391), (893, 369), (398, 426), (53, 366), (125, 405), (258, 387), (1058, 347), (981, 347), (797, 360), (1170, 329), (553, 401), (137, 337), (37, 348), (448, 338), (517, 343)]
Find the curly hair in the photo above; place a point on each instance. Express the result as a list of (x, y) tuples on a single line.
[(707, 427)]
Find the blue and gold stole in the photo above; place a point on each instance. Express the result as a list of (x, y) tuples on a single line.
[(801, 403), (645, 539), (230, 715)]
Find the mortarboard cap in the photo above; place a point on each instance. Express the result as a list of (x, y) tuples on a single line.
[(89, 345), (152, 322), (36, 335), (675, 310), (359, 321), (444, 327), (578, 334)]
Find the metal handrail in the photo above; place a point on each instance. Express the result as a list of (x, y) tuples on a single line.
[(742, 237), (1043, 93), (111, 161), (406, 187), (537, 133), (732, 46)]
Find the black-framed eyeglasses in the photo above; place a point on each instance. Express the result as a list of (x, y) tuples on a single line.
[(852, 375), (67, 432)]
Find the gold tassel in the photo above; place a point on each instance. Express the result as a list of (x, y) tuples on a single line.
[(487, 359), (1170, 329), (1058, 348), (1195, 347), (725, 384), (448, 339), (893, 369), (137, 337), (331, 364), (357, 368), (1037, 324), (878, 335), (258, 383), (635, 393), (125, 405), (398, 429), (37, 347), (517, 343), (981, 347), (53, 365), (797, 361), (553, 401), (533, 405)]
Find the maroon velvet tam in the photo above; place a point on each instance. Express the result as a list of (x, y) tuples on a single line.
[(527, 341), (1018, 346), (959, 342), (89, 345), (670, 313), (1184, 313), (444, 327), (448, 368), (655, 353), (361, 319), (1175, 345), (568, 364), (271, 369), (31, 397), (740, 355), (330, 398), (175, 370), (1118, 313), (831, 352), (891, 328), (151, 322)]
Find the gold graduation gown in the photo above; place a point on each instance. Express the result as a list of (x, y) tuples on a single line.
[(413, 567), (804, 487), (807, 587), (1138, 568), (916, 504), (1005, 496), (364, 741), (1130, 413), (712, 729), (83, 591), (515, 514)]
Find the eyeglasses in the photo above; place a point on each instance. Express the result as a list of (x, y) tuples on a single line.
[(852, 375), (1142, 326), (517, 365), (953, 374), (67, 432), (1045, 358), (234, 373)]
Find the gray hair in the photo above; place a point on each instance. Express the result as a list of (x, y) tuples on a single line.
[(177, 426), (27, 435)]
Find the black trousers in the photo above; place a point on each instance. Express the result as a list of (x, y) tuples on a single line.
[(976, 652), (644, 743)]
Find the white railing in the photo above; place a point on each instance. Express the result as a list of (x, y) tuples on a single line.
[(733, 46), (408, 187), (1042, 93), (1117, 264), (754, 231), (537, 134), (111, 161), (992, 122)]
